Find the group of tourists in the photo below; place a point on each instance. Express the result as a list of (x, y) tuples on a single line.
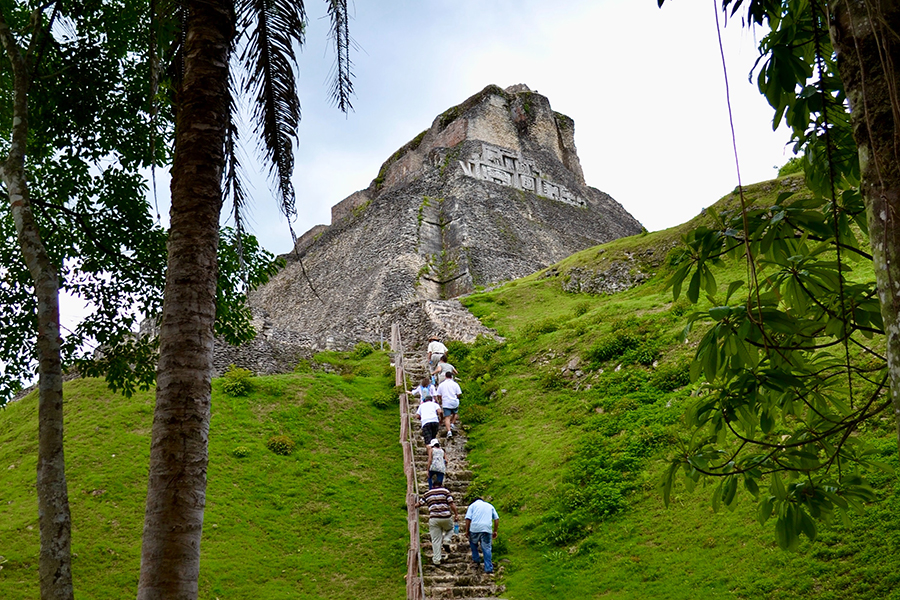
[(439, 394)]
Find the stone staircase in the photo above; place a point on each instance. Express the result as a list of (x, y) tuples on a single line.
[(457, 576)]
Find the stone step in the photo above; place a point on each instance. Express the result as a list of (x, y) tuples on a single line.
[(457, 576), (459, 592)]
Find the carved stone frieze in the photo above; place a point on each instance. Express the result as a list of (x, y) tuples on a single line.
[(510, 168)]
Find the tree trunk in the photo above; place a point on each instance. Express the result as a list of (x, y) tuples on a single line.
[(864, 33), (54, 519), (176, 494)]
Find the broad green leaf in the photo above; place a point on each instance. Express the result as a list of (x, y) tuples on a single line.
[(693, 293), (751, 486), (777, 487), (807, 526), (729, 490), (732, 288), (765, 509), (718, 313)]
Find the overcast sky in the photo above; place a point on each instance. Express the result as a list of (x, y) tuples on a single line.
[(644, 85)]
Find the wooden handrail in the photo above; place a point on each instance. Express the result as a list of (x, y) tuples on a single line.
[(415, 582)]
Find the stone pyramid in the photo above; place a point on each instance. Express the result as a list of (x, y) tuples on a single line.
[(492, 191)]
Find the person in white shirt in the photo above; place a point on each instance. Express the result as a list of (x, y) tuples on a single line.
[(435, 351), (425, 390), (441, 369), (430, 414), (448, 394)]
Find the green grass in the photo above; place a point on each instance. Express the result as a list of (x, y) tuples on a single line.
[(328, 521), (573, 463)]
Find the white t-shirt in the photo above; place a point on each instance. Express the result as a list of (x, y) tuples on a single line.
[(436, 347), (449, 392), (422, 393), (428, 412)]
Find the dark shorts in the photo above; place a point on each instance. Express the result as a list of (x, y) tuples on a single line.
[(449, 411), (429, 432)]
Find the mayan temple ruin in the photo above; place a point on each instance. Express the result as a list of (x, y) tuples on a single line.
[(492, 191)]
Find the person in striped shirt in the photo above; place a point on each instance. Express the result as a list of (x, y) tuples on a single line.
[(440, 506)]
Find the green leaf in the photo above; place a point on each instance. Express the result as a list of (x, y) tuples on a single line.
[(710, 281), (782, 536), (693, 293), (766, 422), (777, 487), (730, 490), (765, 509), (732, 288), (667, 481), (807, 526), (718, 313), (717, 497), (751, 486)]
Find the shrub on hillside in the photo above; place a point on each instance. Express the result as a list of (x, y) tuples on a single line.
[(552, 380), (457, 351), (361, 350), (281, 445), (644, 353), (237, 381), (612, 346), (385, 399), (793, 165), (474, 414), (478, 487), (582, 308), (241, 452), (670, 377), (533, 330), (681, 307)]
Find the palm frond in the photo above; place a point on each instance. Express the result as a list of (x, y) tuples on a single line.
[(233, 178), (274, 28), (342, 82)]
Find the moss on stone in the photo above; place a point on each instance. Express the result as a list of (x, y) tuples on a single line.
[(451, 114)]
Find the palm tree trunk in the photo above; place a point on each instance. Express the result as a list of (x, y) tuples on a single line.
[(55, 521), (176, 494), (864, 37)]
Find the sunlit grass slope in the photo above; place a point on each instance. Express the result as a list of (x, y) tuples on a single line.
[(327, 521), (572, 460)]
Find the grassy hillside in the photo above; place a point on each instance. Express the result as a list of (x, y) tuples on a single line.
[(327, 521), (571, 421), (576, 414)]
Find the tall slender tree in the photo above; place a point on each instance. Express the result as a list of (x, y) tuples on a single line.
[(268, 32), (74, 214)]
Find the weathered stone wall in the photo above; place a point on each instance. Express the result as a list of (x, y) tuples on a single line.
[(492, 191), (310, 236), (345, 207)]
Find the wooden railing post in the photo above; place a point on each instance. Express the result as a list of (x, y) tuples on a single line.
[(415, 589)]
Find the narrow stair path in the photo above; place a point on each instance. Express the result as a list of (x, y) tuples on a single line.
[(457, 576)]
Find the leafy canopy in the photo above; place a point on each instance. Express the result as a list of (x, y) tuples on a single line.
[(793, 355)]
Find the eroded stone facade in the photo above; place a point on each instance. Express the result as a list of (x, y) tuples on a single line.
[(492, 191)]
